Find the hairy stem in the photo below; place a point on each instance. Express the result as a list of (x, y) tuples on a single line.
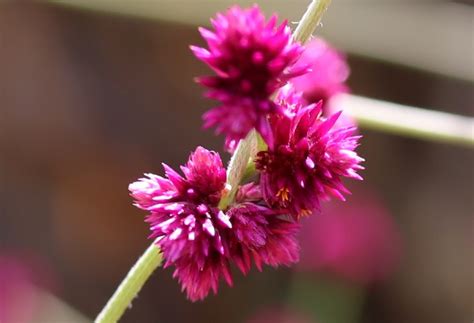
[(310, 20), (130, 286)]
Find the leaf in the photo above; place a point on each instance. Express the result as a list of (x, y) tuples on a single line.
[(245, 150), (250, 170)]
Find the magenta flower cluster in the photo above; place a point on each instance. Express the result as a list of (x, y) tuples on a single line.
[(306, 159), (201, 240), (251, 59), (328, 75)]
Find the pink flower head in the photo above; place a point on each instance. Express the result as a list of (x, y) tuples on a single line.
[(17, 298), (199, 239), (185, 219), (328, 76), (22, 278), (251, 58), (262, 235), (358, 241), (309, 157), (329, 72)]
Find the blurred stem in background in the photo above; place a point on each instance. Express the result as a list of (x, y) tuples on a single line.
[(408, 121), (151, 259)]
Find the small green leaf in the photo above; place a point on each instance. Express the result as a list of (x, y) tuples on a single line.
[(261, 144), (245, 150)]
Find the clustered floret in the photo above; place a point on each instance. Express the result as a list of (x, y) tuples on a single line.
[(201, 240), (252, 58), (307, 157)]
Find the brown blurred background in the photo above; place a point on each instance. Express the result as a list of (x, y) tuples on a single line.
[(89, 101)]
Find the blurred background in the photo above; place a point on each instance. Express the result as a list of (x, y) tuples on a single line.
[(94, 93)]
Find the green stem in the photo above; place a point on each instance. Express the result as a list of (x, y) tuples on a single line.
[(130, 286), (151, 259), (310, 20), (408, 121)]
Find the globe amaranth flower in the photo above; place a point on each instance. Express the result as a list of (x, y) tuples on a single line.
[(185, 219), (327, 78), (329, 72), (251, 58), (22, 275), (200, 240), (358, 241), (262, 235), (309, 157)]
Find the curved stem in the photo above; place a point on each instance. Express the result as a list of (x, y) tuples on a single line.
[(131, 285)]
